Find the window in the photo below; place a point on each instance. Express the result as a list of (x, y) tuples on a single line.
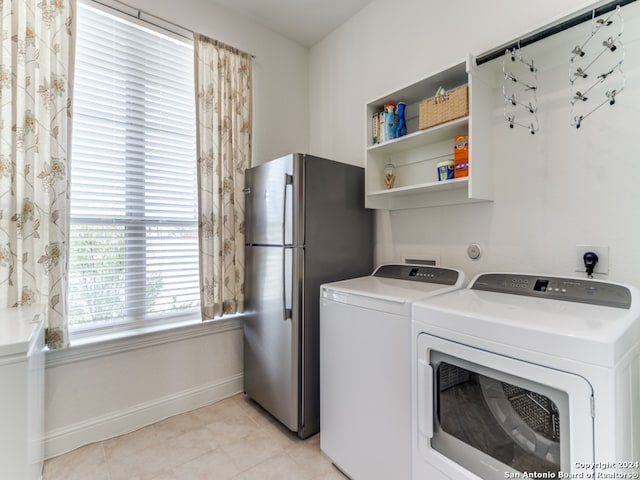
[(134, 230)]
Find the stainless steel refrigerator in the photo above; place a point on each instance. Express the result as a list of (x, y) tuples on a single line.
[(305, 225)]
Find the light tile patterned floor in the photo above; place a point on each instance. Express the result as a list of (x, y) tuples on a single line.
[(233, 439)]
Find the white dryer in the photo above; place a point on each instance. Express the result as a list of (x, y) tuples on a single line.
[(526, 376), (365, 367)]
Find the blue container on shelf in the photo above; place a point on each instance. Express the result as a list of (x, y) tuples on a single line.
[(445, 170)]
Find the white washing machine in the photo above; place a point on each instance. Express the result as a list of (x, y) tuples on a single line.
[(365, 367), (525, 374)]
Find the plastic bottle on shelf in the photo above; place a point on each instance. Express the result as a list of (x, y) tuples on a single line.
[(390, 121), (401, 128)]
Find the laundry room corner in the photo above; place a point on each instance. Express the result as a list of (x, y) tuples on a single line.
[(562, 187)]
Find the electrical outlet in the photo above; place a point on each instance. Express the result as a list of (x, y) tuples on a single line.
[(602, 267)]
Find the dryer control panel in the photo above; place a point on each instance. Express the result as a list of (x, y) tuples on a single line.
[(418, 273), (556, 288)]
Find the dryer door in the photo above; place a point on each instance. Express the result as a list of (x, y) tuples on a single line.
[(485, 415)]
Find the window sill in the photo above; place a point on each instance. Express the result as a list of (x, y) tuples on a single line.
[(123, 341)]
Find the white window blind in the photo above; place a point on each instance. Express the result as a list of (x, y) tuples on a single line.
[(133, 239)]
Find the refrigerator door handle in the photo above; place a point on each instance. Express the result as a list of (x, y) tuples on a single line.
[(287, 259), (287, 283), (288, 182)]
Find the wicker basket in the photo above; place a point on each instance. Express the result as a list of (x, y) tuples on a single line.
[(455, 106)]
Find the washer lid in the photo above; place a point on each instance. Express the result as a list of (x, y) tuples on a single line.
[(394, 287)]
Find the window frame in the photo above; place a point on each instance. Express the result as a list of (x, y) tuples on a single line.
[(147, 322)]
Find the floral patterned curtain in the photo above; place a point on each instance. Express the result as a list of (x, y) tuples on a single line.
[(36, 54), (224, 115)]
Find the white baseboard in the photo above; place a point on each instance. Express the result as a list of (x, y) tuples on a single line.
[(57, 442)]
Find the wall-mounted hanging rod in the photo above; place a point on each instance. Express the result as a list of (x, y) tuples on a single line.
[(547, 32)]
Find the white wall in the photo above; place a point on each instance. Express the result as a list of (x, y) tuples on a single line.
[(98, 391), (104, 390), (554, 190)]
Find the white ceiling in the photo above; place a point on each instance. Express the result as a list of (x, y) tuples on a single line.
[(303, 21)]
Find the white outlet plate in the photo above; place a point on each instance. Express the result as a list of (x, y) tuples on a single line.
[(602, 267)]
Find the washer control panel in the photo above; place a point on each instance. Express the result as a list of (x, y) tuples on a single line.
[(418, 273), (556, 288)]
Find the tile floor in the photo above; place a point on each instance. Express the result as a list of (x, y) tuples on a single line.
[(233, 439)]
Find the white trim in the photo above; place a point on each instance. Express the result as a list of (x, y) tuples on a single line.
[(11, 359), (62, 440), (133, 340)]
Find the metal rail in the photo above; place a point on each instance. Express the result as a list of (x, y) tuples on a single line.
[(552, 30)]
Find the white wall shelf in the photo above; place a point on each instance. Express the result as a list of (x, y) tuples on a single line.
[(433, 187), (441, 132), (416, 155)]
